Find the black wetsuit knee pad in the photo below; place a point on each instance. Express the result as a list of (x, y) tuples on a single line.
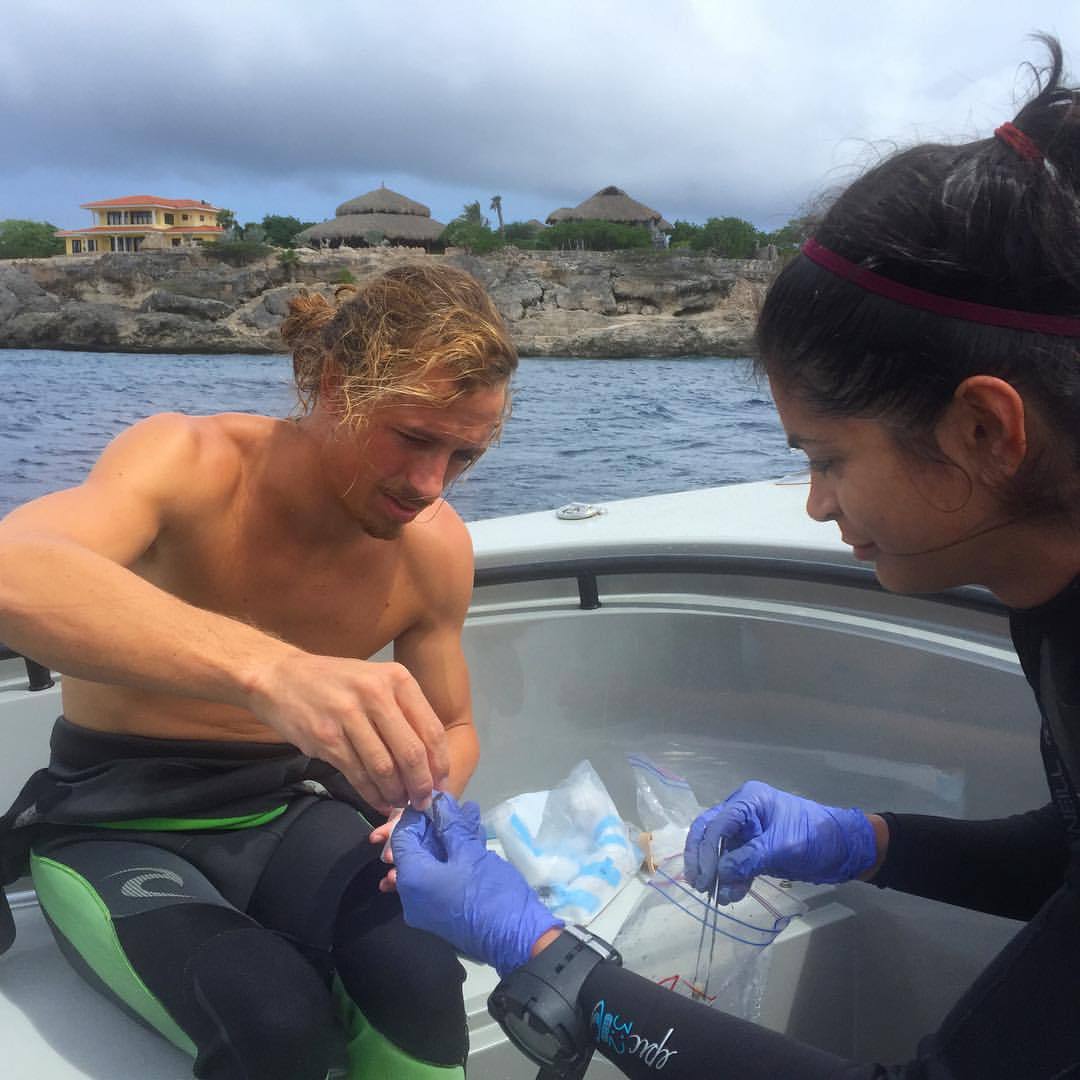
[(263, 1011)]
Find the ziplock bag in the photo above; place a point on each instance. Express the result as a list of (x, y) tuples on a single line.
[(677, 935)]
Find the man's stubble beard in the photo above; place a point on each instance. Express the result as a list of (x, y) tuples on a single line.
[(381, 530)]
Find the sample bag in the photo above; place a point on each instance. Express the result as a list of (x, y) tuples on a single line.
[(676, 935), (569, 843)]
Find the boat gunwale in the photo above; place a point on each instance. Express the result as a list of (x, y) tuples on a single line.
[(586, 570)]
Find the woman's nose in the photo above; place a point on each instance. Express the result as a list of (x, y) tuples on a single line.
[(820, 503)]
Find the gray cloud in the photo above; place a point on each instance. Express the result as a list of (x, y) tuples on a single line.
[(697, 108)]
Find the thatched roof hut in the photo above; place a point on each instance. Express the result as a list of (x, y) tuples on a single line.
[(382, 201), (612, 204), (370, 219)]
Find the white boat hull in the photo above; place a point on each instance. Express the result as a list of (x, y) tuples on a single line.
[(728, 637)]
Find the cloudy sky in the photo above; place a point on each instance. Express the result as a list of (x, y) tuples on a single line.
[(698, 108)]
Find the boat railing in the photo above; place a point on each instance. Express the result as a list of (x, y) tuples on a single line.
[(39, 677), (588, 572)]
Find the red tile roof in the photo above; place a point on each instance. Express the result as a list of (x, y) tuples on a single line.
[(113, 229), (150, 200)]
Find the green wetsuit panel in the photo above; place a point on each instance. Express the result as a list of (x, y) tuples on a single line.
[(372, 1054), (81, 916)]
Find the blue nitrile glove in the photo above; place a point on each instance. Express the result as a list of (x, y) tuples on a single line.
[(451, 885), (765, 831)]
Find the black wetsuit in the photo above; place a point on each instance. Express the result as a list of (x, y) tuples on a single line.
[(1020, 1020), (227, 894)]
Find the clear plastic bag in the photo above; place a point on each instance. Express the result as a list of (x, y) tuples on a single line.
[(569, 843), (666, 806), (676, 935)]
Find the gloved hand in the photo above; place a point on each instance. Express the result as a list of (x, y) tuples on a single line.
[(451, 885), (765, 831)]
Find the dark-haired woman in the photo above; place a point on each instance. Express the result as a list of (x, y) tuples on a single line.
[(924, 351)]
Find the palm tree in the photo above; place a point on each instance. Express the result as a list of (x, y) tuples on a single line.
[(496, 205)]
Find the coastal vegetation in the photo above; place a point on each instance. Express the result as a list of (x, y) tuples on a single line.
[(728, 237), (21, 239), (277, 230), (240, 252), (723, 237), (472, 231)]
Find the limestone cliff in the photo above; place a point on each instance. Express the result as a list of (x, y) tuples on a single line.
[(556, 303)]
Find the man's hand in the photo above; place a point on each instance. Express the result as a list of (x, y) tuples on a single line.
[(369, 720)]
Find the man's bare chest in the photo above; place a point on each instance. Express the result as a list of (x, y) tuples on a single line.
[(340, 600)]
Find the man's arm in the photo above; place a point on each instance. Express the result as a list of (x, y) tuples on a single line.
[(437, 662), (431, 648), (69, 599)]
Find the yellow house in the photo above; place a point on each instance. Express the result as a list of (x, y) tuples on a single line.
[(143, 222)]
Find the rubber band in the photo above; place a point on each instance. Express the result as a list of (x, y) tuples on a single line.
[(1019, 142), (967, 310)]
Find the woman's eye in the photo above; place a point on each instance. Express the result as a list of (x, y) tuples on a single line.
[(409, 437)]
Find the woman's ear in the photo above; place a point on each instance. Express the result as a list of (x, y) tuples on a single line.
[(986, 421)]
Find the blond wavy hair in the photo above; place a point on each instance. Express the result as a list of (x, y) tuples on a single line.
[(390, 338)]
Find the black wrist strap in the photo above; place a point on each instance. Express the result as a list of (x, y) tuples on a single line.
[(537, 1004)]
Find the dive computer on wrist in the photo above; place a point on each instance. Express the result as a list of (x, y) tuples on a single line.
[(537, 1003)]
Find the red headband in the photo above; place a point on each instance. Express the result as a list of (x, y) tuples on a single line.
[(1022, 143), (1059, 325)]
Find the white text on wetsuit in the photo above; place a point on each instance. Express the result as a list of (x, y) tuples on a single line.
[(610, 1030)]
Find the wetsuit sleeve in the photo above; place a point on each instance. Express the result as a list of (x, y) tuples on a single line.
[(1008, 866), (1018, 1019), (645, 1030)]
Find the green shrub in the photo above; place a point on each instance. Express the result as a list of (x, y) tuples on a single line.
[(683, 234), (477, 239), (281, 229), (594, 236), (237, 252), (344, 277), (20, 239), (728, 237), (519, 232)]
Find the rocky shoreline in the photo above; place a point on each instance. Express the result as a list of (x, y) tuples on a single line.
[(587, 304)]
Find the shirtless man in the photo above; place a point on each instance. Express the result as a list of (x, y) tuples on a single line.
[(211, 594)]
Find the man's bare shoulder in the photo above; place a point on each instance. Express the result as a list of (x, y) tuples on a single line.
[(225, 434), (200, 456), (439, 553)]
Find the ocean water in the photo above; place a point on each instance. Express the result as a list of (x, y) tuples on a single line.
[(591, 430)]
